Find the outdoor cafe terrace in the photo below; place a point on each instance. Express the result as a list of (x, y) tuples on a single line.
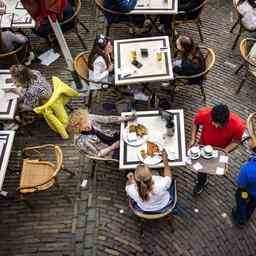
[(98, 221)]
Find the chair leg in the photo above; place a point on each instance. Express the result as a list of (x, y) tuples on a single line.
[(240, 67), (106, 27), (72, 174), (237, 38), (169, 219), (198, 24), (142, 224), (203, 92), (79, 37), (93, 169), (26, 201), (233, 27), (57, 185), (85, 28), (240, 85)]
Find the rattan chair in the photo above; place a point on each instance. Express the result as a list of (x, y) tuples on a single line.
[(183, 17), (14, 57), (74, 22), (38, 173), (209, 56), (105, 11), (242, 29), (167, 214), (251, 126), (245, 47)]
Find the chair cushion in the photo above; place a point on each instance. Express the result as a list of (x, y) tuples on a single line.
[(35, 172)]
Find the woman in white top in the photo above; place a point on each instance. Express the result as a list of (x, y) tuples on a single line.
[(150, 192), (100, 61)]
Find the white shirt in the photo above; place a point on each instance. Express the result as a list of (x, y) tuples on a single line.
[(99, 72), (158, 198)]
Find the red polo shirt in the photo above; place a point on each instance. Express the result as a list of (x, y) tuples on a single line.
[(219, 137)]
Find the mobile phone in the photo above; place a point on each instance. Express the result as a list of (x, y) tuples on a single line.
[(137, 64)]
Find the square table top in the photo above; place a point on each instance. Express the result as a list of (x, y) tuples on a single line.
[(152, 69), (8, 100), (6, 142), (156, 7), (16, 16), (156, 130)]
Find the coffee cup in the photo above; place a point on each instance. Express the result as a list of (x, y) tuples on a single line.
[(194, 151), (208, 150)]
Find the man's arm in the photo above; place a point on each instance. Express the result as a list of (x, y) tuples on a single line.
[(231, 146), (194, 130)]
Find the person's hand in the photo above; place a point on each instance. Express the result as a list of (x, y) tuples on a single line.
[(131, 117), (164, 155), (111, 68), (130, 176), (191, 144)]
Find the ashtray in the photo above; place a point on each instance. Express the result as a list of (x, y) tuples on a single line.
[(144, 52)]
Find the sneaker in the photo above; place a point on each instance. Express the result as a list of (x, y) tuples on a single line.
[(30, 58)]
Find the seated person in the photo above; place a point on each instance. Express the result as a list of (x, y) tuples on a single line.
[(31, 86), (93, 134), (150, 192), (190, 60), (100, 61), (247, 9), (126, 6), (43, 26)]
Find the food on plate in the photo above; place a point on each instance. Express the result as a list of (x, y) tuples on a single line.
[(143, 153), (132, 128), (139, 129), (152, 148)]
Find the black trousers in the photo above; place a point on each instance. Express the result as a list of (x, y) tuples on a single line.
[(201, 178)]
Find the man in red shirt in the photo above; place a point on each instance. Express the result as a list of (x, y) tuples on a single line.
[(220, 128)]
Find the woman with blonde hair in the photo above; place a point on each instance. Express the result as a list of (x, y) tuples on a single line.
[(150, 192), (96, 135)]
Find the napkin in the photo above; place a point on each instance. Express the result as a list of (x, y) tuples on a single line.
[(224, 159), (220, 171), (197, 166)]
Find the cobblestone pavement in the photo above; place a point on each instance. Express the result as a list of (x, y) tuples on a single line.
[(93, 223)]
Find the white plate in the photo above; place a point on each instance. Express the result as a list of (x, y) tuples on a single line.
[(172, 155), (149, 160), (205, 156), (193, 158), (136, 143)]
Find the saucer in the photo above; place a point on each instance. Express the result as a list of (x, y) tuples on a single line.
[(193, 157), (206, 156)]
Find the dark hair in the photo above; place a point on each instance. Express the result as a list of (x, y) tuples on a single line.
[(187, 43), (23, 75), (220, 114), (98, 48)]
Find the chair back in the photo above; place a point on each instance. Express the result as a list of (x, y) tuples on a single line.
[(251, 127), (245, 48), (35, 161), (81, 66), (196, 11), (13, 57), (154, 216), (209, 57), (100, 5), (77, 7)]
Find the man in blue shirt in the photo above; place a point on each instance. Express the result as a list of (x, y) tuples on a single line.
[(246, 191)]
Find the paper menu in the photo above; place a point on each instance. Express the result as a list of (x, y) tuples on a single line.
[(197, 166), (224, 159), (220, 171)]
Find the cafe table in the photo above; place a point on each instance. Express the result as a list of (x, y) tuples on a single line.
[(16, 16), (153, 7), (217, 165), (8, 100), (152, 120), (6, 142), (152, 68)]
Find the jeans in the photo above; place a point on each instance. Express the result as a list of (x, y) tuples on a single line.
[(244, 207)]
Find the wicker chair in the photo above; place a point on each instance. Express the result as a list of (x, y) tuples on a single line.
[(245, 47), (39, 174), (74, 21), (167, 215), (183, 17), (242, 29), (209, 56), (251, 126), (105, 11), (17, 56)]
